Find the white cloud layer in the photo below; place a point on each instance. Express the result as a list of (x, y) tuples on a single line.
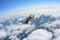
[(3, 34), (30, 31), (39, 34), (53, 10)]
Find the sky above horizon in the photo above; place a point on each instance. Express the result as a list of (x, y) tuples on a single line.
[(7, 5)]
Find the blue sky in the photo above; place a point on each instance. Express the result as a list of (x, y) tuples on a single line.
[(6, 5)]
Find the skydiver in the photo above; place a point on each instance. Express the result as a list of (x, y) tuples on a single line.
[(28, 19)]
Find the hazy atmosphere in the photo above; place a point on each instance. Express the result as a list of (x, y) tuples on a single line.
[(29, 19)]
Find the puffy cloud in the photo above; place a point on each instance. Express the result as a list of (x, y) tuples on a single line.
[(1, 26), (52, 25), (14, 30), (3, 34), (39, 34), (57, 34)]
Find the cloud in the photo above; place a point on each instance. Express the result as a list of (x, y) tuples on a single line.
[(57, 34), (53, 10), (53, 25), (3, 34), (39, 34), (13, 30)]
